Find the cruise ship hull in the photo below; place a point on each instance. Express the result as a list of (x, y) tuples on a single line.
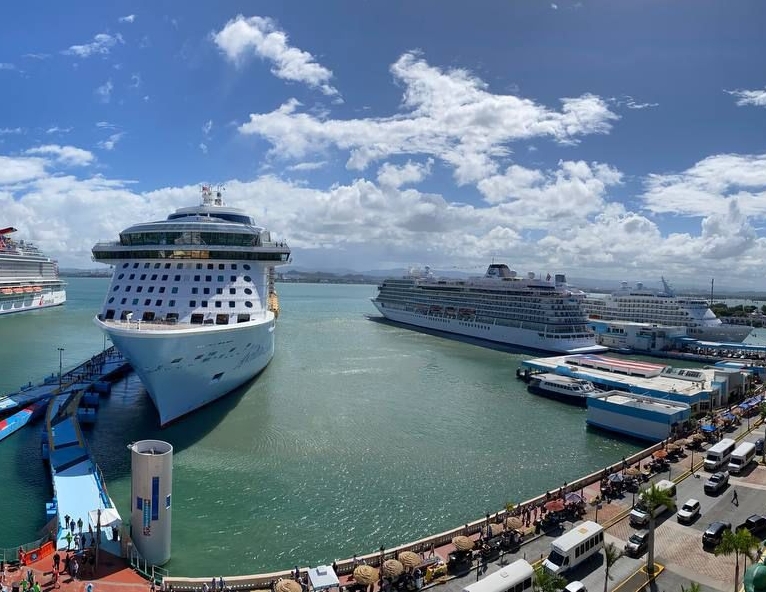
[(34, 301), (503, 334), (186, 368)]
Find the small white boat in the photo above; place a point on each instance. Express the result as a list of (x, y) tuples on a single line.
[(574, 391)]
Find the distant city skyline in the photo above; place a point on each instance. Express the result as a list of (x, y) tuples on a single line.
[(613, 141)]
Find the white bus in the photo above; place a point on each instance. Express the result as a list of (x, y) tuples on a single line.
[(519, 576), (574, 547), (718, 455), (741, 457)]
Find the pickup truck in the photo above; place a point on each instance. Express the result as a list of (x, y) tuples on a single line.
[(717, 482), (755, 523)]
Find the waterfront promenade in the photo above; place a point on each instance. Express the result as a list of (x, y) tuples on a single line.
[(678, 548)]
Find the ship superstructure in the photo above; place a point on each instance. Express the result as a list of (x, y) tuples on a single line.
[(528, 312), (192, 304), (29, 280), (640, 304)]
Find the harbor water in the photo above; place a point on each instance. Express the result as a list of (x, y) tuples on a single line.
[(358, 435)]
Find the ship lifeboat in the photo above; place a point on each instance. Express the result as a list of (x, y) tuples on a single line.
[(274, 303), (38, 289), (29, 289), (6, 291), (18, 290)]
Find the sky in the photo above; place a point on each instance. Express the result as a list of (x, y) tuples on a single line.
[(601, 139)]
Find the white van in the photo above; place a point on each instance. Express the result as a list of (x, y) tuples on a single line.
[(639, 515), (574, 547), (719, 454), (741, 457), (516, 577)]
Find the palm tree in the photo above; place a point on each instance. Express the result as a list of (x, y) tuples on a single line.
[(611, 555), (741, 541), (652, 498), (546, 581)]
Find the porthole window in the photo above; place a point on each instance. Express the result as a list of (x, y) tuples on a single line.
[(246, 267), (248, 291), (122, 275), (220, 278), (117, 287), (135, 301), (111, 299), (132, 276), (124, 265), (231, 304), (135, 265), (248, 304), (247, 278)]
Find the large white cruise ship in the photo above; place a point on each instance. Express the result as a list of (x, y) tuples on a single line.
[(527, 312), (29, 280), (639, 304), (192, 304)]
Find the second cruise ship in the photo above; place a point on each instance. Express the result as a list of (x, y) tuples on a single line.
[(527, 312), (191, 304)]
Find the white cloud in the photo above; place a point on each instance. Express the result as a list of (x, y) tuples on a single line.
[(36, 56), (446, 114), (104, 91), (5, 131), (203, 147), (631, 104), (66, 155), (7, 66), (105, 125), (58, 130), (207, 127), (111, 141), (708, 188), (135, 80), (261, 36), (390, 175), (101, 45), (307, 166), (16, 170), (127, 19), (756, 98), (554, 6)]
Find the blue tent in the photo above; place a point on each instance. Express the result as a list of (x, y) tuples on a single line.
[(708, 428)]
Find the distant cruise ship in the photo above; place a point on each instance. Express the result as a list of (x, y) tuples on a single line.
[(662, 307), (527, 312), (192, 304), (29, 280)]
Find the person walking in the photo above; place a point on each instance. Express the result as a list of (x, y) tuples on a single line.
[(74, 568), (735, 499), (79, 525), (68, 539), (56, 560)]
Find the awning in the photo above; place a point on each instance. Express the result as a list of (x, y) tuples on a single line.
[(323, 577), (109, 517)]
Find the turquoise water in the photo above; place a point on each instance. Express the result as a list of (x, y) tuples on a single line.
[(358, 434)]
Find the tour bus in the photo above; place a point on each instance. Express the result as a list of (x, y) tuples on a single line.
[(639, 515), (516, 577), (719, 454), (741, 457), (574, 547)]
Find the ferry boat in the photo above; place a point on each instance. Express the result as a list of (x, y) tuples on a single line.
[(192, 304), (662, 307), (29, 280), (500, 307), (568, 389)]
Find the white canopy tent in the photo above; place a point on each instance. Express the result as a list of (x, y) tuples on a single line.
[(109, 517), (323, 577)]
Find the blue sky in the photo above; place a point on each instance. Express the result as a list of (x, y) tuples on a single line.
[(610, 140)]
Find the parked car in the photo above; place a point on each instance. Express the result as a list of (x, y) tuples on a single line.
[(714, 533), (759, 446), (637, 543), (717, 482), (575, 586), (689, 512), (755, 524)]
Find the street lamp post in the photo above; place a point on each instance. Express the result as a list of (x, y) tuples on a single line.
[(61, 351)]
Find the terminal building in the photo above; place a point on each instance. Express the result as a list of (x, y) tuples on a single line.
[(699, 388), (643, 418)]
